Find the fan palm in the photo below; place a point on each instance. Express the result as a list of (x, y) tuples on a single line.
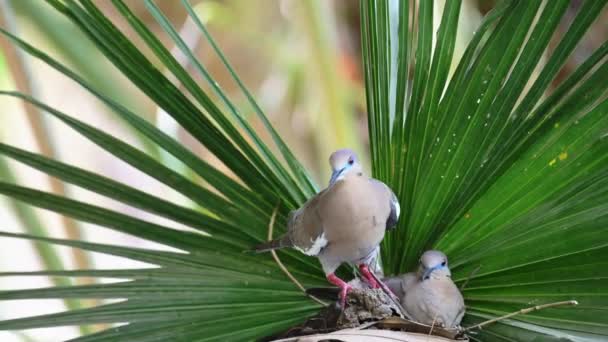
[(507, 179)]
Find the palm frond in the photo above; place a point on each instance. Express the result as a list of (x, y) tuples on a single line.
[(489, 171), (489, 166)]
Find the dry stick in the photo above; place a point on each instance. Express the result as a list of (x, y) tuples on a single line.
[(471, 275), (433, 325), (281, 266), (520, 312)]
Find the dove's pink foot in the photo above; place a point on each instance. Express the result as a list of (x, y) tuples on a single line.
[(369, 278), (344, 288)]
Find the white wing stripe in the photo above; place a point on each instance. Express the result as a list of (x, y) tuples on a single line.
[(317, 245)]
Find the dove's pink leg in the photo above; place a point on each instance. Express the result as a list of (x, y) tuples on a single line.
[(371, 280), (344, 288), (368, 276)]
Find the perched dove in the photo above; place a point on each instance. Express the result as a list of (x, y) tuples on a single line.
[(344, 223), (430, 296)]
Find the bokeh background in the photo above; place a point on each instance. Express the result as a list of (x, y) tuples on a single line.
[(300, 58)]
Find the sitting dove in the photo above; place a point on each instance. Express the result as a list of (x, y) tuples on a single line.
[(430, 296), (344, 223)]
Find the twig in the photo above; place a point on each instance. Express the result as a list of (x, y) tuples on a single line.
[(520, 312), (281, 266), (471, 275), (432, 325)]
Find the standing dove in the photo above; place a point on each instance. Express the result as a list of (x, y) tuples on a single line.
[(430, 296), (344, 223)]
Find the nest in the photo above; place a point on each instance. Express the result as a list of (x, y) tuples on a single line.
[(370, 315)]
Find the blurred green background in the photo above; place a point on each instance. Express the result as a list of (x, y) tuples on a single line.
[(301, 59)]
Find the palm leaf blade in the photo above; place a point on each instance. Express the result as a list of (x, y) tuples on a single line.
[(487, 169)]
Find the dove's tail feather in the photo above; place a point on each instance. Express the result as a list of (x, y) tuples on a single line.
[(281, 242)]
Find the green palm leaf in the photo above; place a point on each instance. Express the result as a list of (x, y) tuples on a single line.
[(493, 175), (506, 178)]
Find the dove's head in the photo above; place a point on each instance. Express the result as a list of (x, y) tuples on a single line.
[(433, 264), (344, 162)]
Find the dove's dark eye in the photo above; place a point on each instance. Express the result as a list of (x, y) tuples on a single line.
[(443, 263), (351, 161)]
